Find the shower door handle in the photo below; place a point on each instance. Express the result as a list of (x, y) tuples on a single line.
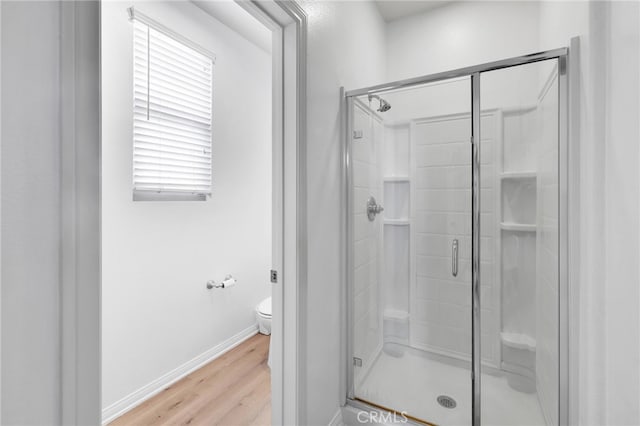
[(454, 258)]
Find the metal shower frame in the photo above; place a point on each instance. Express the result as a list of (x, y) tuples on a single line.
[(562, 55)]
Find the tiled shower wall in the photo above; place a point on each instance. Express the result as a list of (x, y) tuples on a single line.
[(367, 317), (440, 302)]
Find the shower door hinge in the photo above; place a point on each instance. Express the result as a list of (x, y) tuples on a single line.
[(357, 134), (274, 276), (357, 362)]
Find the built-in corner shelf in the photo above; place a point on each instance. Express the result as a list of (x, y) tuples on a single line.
[(519, 227), (396, 178), (518, 175), (518, 341), (396, 222)]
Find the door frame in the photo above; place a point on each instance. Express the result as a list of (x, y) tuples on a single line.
[(567, 253), (80, 296)]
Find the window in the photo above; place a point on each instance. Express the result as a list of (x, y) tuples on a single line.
[(172, 115)]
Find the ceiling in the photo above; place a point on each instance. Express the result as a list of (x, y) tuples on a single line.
[(396, 9)]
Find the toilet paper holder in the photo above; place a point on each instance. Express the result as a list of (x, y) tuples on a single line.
[(228, 281)]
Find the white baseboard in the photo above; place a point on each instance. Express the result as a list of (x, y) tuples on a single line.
[(136, 398), (337, 418)]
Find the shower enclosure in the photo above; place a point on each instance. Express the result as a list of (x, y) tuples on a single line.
[(456, 244)]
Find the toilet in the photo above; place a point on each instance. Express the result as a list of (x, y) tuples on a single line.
[(263, 316)]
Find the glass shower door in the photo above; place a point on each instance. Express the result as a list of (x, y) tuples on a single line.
[(520, 320), (410, 251), (419, 312)]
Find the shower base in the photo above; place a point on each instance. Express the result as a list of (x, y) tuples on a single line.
[(410, 380)]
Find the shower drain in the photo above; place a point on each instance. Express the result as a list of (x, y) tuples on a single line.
[(446, 401)]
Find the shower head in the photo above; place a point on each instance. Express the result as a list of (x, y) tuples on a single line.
[(384, 105)]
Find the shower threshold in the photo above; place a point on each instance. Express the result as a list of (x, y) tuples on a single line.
[(386, 416), (412, 383), (403, 417)]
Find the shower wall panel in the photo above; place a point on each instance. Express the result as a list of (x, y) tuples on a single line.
[(367, 181), (518, 254), (396, 149), (397, 201), (440, 302)]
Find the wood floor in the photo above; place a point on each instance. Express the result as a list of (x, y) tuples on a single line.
[(234, 389)]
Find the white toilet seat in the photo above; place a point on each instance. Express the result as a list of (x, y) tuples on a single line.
[(263, 316), (264, 308)]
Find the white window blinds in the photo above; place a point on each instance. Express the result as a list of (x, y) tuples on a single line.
[(172, 116)]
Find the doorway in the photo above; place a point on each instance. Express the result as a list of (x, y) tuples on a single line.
[(185, 263), (81, 203)]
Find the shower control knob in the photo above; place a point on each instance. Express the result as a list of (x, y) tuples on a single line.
[(373, 209)]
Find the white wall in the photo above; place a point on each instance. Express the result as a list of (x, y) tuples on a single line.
[(157, 256), (345, 48), (458, 35), (558, 22), (622, 212), (607, 342), (30, 213)]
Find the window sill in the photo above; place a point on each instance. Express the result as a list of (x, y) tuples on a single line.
[(167, 196)]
